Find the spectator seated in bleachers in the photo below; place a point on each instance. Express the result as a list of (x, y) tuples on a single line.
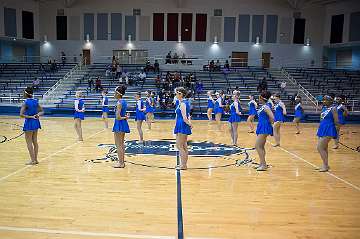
[(157, 81), (148, 67), (90, 84), (141, 77), (98, 86), (156, 67), (168, 58)]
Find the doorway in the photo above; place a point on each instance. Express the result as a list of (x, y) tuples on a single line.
[(239, 59), (266, 57), (86, 56)]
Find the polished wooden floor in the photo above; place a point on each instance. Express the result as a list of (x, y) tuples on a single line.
[(68, 196)]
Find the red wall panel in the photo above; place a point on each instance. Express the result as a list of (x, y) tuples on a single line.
[(158, 26), (172, 26), (186, 26), (201, 23)]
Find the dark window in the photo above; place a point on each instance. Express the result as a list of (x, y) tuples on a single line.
[(61, 27), (299, 31)]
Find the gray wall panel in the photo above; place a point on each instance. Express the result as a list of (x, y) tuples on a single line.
[(229, 29), (102, 26), (74, 28), (244, 28), (89, 25), (354, 30), (144, 28), (130, 27), (271, 28), (285, 30), (257, 27), (215, 28), (116, 26), (10, 22)]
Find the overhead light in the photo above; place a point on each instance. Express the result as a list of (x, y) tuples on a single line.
[(179, 38), (257, 41), (215, 40), (45, 38), (307, 42), (87, 38), (14, 39)]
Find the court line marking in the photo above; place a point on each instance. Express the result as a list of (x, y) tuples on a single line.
[(179, 202), (82, 233), (313, 165), (47, 157)]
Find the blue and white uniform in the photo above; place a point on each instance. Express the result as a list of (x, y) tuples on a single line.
[(105, 104), (31, 109), (252, 107), (210, 103), (180, 126), (140, 115), (264, 125), (270, 103), (280, 112), (327, 125), (217, 108), (79, 105), (299, 112), (121, 125), (234, 117), (149, 105), (340, 110)]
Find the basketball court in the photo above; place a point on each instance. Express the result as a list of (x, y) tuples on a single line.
[(75, 193)]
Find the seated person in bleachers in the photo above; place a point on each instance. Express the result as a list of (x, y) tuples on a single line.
[(157, 81), (212, 65), (90, 84), (168, 58), (217, 66), (183, 59), (142, 77), (175, 58), (156, 67), (98, 86), (226, 65), (118, 71), (113, 69)]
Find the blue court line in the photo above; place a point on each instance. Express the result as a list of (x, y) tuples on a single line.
[(179, 202)]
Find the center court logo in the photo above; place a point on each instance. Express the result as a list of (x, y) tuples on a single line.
[(168, 148)]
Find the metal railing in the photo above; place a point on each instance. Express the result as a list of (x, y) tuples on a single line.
[(301, 89), (50, 94), (354, 105)]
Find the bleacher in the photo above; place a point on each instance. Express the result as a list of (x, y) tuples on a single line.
[(319, 81), (246, 79), (15, 77)]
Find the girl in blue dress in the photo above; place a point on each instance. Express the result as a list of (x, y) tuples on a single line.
[(210, 106), (140, 115), (79, 115), (299, 113), (252, 113), (150, 105), (263, 129), (327, 130), (279, 118), (105, 108), (182, 127), (121, 125), (235, 113), (342, 113), (219, 108), (31, 111)]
